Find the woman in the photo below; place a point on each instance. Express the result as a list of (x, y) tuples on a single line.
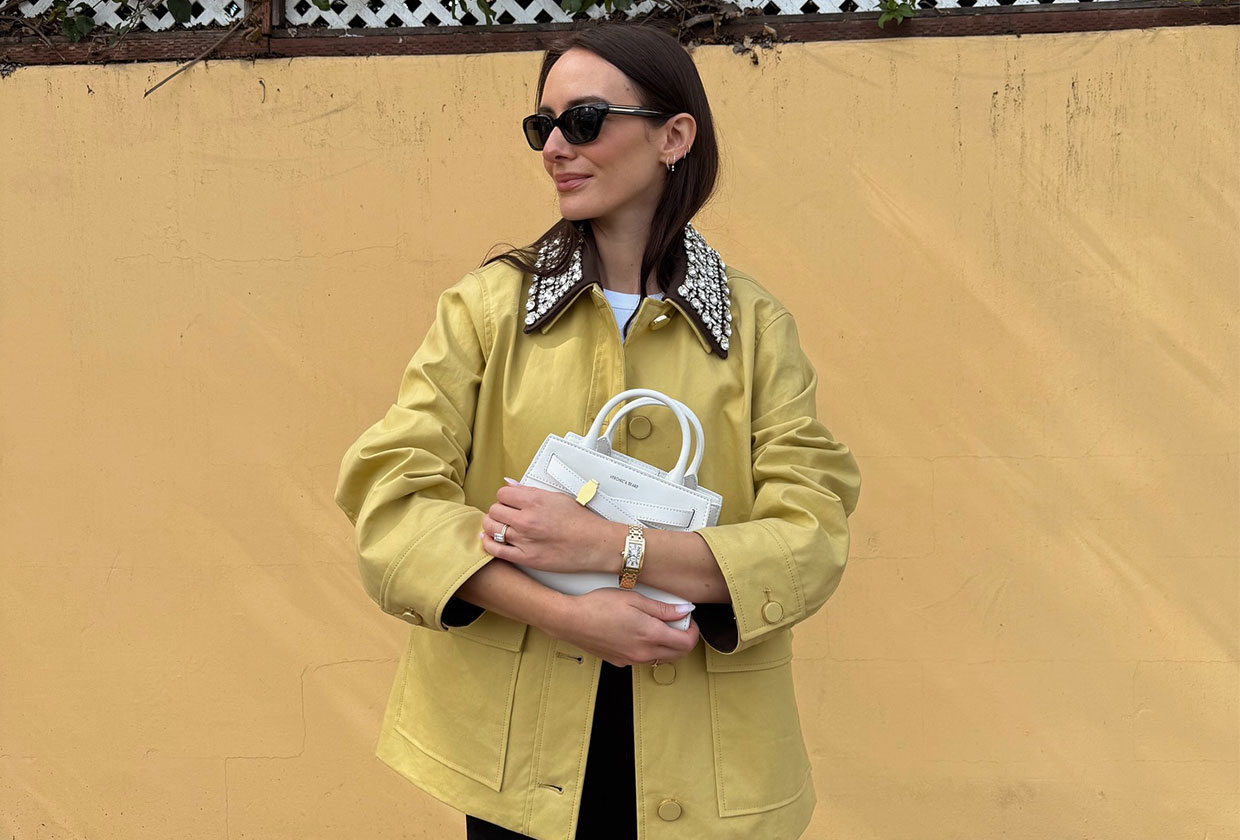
[(552, 716)]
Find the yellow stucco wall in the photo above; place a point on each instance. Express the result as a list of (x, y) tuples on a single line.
[(1014, 263)]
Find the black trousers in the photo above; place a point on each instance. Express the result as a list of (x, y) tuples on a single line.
[(606, 814)]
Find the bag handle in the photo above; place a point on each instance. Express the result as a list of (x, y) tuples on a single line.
[(699, 440), (592, 438)]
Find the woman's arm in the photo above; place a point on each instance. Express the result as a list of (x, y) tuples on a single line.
[(757, 576), (551, 532), (401, 483), (421, 558), (623, 628), (783, 561)]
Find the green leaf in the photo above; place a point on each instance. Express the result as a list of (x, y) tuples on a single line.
[(623, 5), (322, 5), (181, 11), (77, 27), (883, 18)]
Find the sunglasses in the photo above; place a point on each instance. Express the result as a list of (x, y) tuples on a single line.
[(580, 124)]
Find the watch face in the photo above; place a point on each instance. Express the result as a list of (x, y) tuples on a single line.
[(633, 550)]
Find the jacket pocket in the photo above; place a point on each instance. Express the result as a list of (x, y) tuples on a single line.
[(760, 758), (456, 702)]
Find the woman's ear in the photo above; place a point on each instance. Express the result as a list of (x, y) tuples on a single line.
[(679, 133)]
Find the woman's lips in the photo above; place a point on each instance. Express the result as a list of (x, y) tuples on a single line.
[(567, 183)]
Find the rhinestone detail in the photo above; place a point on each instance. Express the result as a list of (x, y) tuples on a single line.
[(548, 289), (704, 288)]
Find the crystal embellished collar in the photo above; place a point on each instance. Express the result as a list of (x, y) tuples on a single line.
[(699, 289)]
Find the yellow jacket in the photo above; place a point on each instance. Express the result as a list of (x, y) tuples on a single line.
[(494, 717)]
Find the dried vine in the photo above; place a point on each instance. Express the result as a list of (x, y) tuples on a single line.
[(695, 21), (76, 23)]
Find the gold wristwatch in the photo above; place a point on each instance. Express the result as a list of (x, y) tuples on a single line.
[(634, 553)]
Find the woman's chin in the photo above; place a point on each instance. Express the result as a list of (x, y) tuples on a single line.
[(575, 211)]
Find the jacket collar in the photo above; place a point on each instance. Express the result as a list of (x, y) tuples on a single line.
[(699, 288)]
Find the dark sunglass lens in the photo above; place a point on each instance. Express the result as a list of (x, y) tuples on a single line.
[(582, 124), (537, 130)]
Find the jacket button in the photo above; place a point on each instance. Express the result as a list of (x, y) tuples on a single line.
[(664, 673), (639, 427), (660, 322), (772, 611), (669, 809), (411, 616)]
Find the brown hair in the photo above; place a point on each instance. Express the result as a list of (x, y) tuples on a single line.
[(666, 81)]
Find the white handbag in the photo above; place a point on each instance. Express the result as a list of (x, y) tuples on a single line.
[(625, 489)]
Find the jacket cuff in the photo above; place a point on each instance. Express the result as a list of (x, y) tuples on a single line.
[(766, 596), (421, 590)]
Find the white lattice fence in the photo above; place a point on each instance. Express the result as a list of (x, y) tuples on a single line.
[(383, 14), (380, 14), (152, 18), (367, 14)]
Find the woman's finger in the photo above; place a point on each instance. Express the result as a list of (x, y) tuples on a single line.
[(502, 513), (661, 610), (491, 531), (517, 495), (500, 551), (492, 526), (679, 644), (681, 641), (657, 653)]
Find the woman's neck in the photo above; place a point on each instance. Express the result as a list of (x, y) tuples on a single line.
[(620, 251)]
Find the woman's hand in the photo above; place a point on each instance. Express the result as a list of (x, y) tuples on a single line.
[(550, 532), (624, 628)]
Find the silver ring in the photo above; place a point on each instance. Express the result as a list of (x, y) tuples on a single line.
[(501, 535)]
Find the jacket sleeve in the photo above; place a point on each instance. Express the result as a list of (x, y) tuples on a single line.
[(783, 563), (401, 481)]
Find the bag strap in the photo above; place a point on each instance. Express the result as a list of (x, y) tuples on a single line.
[(699, 438), (677, 473)]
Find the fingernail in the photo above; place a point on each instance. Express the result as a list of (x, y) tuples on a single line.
[(684, 609), (482, 535), (511, 480)]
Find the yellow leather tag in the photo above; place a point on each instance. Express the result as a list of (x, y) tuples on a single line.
[(586, 493)]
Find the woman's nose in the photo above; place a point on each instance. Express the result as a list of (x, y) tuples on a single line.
[(556, 146)]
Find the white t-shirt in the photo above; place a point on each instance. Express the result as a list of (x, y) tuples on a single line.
[(623, 305)]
